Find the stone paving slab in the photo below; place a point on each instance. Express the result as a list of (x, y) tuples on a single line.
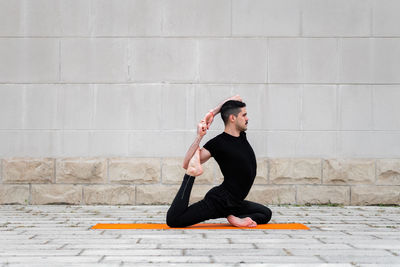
[(60, 235)]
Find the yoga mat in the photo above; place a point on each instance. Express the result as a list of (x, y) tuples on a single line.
[(281, 226)]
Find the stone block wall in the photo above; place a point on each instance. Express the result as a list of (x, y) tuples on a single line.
[(144, 181), (98, 93)]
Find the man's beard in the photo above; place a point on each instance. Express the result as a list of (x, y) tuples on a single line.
[(241, 129)]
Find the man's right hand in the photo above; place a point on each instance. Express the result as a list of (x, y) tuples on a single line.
[(216, 110), (236, 97)]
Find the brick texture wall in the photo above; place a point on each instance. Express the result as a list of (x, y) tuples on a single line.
[(124, 181)]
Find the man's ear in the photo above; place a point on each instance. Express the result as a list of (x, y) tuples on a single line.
[(232, 117)]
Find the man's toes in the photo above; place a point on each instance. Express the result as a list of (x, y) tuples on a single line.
[(250, 222)]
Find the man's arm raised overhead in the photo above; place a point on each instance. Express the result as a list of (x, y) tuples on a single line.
[(202, 128), (204, 154)]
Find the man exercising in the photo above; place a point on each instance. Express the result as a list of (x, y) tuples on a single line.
[(237, 162)]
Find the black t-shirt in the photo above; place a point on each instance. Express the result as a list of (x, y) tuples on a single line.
[(236, 160)]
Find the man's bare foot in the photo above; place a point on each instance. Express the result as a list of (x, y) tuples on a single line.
[(239, 222), (209, 119), (195, 168)]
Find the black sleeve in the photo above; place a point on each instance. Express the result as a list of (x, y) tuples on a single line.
[(211, 146)]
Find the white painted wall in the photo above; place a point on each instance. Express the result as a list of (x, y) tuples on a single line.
[(321, 78)]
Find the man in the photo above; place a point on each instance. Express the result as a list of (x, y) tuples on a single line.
[(237, 162)]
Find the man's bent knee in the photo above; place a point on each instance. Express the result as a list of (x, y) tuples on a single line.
[(268, 214), (173, 221)]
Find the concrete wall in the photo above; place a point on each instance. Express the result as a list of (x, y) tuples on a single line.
[(131, 78)]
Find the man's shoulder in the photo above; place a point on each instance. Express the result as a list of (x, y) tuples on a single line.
[(216, 138), (223, 136), (214, 144)]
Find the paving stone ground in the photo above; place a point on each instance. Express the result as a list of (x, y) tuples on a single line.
[(60, 235)]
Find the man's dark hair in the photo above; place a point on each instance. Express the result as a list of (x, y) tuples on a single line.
[(231, 107)]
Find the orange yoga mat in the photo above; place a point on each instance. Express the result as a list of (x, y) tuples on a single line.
[(281, 226)]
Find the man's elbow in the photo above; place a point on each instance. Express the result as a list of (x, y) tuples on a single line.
[(185, 165)]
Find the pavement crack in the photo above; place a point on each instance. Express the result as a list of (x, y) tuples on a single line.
[(255, 246), (102, 258), (392, 252), (80, 252), (287, 252), (138, 241), (5, 224), (370, 225), (377, 237), (63, 246), (320, 240), (23, 232), (212, 260), (32, 237), (350, 245), (321, 258), (345, 232)]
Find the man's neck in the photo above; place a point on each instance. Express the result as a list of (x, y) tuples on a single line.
[(232, 131)]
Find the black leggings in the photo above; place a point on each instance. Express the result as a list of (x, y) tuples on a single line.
[(217, 203)]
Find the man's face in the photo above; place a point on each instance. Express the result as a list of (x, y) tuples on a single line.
[(242, 120)]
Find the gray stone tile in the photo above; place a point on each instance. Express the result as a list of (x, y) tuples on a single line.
[(50, 259), (269, 259), (237, 252), (339, 252), (36, 252), (338, 236), (304, 247), (151, 259), (133, 252), (363, 259), (215, 247)]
